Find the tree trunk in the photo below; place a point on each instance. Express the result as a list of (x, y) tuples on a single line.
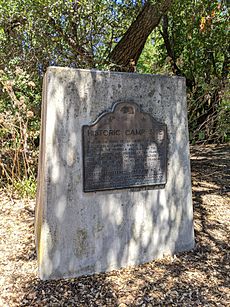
[(128, 50)]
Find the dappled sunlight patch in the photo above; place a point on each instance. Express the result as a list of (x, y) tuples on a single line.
[(194, 276), (205, 185)]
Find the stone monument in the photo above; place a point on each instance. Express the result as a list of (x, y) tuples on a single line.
[(114, 183)]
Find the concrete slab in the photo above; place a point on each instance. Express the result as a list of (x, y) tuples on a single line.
[(80, 233)]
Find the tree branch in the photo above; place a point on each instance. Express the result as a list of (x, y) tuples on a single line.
[(170, 52), (129, 48), (77, 49)]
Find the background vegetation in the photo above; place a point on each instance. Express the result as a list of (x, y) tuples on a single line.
[(191, 40)]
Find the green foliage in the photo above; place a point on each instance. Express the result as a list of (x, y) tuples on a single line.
[(198, 49), (224, 117), (70, 33), (19, 125), (25, 187)]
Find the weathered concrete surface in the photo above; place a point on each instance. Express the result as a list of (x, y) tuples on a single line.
[(81, 233)]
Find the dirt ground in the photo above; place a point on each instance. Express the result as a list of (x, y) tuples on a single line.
[(197, 278)]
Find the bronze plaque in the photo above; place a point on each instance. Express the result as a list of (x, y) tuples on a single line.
[(124, 148)]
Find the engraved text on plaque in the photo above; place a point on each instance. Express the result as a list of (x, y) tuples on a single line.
[(124, 148)]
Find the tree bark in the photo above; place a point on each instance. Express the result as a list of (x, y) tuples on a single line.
[(128, 50)]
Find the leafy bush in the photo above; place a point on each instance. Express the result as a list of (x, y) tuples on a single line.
[(19, 126), (193, 42)]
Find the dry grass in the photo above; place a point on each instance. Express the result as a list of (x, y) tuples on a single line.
[(196, 278)]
